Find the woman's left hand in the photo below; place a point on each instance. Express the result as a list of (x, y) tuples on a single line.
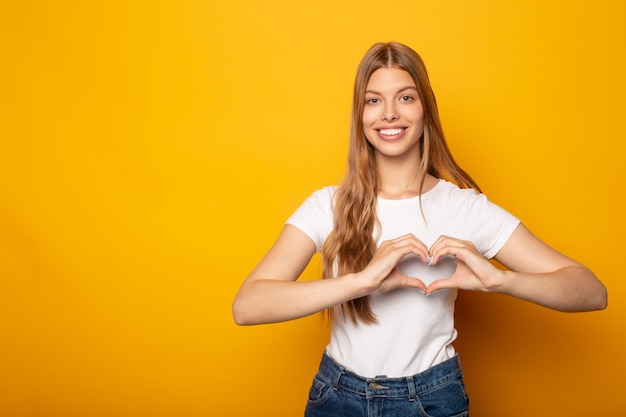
[(535, 272), (473, 271)]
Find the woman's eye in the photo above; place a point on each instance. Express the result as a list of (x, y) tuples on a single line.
[(406, 98), (372, 101)]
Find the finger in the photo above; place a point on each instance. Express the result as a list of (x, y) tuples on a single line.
[(445, 245), (409, 238), (405, 245), (435, 249), (463, 251), (440, 284), (404, 280), (421, 250), (390, 253), (397, 279), (415, 283)]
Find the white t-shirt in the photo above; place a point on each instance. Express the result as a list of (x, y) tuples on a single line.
[(413, 332)]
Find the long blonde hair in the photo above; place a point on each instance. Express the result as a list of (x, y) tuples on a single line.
[(351, 244)]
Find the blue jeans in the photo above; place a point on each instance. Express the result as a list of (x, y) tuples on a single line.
[(436, 392)]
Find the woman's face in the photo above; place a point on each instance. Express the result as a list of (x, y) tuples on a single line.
[(393, 116)]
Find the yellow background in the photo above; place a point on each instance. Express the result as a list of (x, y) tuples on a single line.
[(151, 151)]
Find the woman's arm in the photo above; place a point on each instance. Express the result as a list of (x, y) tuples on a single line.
[(271, 293), (537, 273), (540, 274)]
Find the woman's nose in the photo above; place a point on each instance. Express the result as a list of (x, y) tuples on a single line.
[(390, 114)]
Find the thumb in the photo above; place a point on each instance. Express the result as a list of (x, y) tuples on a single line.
[(440, 284), (415, 283)]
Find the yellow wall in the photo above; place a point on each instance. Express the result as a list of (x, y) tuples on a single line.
[(150, 152)]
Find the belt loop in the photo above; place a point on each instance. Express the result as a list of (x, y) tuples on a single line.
[(340, 371), (333, 369), (411, 385)]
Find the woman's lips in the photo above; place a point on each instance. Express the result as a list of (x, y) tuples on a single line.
[(391, 133)]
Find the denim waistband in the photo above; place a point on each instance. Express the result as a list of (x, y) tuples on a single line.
[(409, 386)]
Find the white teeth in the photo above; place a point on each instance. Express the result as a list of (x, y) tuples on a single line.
[(391, 132)]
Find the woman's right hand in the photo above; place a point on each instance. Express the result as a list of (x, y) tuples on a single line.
[(270, 294), (382, 273)]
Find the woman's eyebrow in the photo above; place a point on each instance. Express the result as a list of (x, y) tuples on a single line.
[(408, 87)]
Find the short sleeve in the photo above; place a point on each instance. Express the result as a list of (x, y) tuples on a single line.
[(490, 225), (315, 215)]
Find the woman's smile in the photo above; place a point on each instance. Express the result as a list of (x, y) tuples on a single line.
[(391, 133)]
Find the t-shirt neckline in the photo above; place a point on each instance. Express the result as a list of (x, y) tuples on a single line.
[(410, 199)]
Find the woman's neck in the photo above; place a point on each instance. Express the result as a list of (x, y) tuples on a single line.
[(402, 180)]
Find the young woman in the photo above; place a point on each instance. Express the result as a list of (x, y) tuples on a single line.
[(403, 232)]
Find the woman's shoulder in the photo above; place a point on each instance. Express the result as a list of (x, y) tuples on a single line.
[(315, 215), (471, 201), (320, 200), (326, 193)]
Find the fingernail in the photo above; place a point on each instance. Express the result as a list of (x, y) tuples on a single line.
[(430, 260)]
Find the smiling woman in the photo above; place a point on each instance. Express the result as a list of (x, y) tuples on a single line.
[(398, 238), (393, 116), (150, 153)]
